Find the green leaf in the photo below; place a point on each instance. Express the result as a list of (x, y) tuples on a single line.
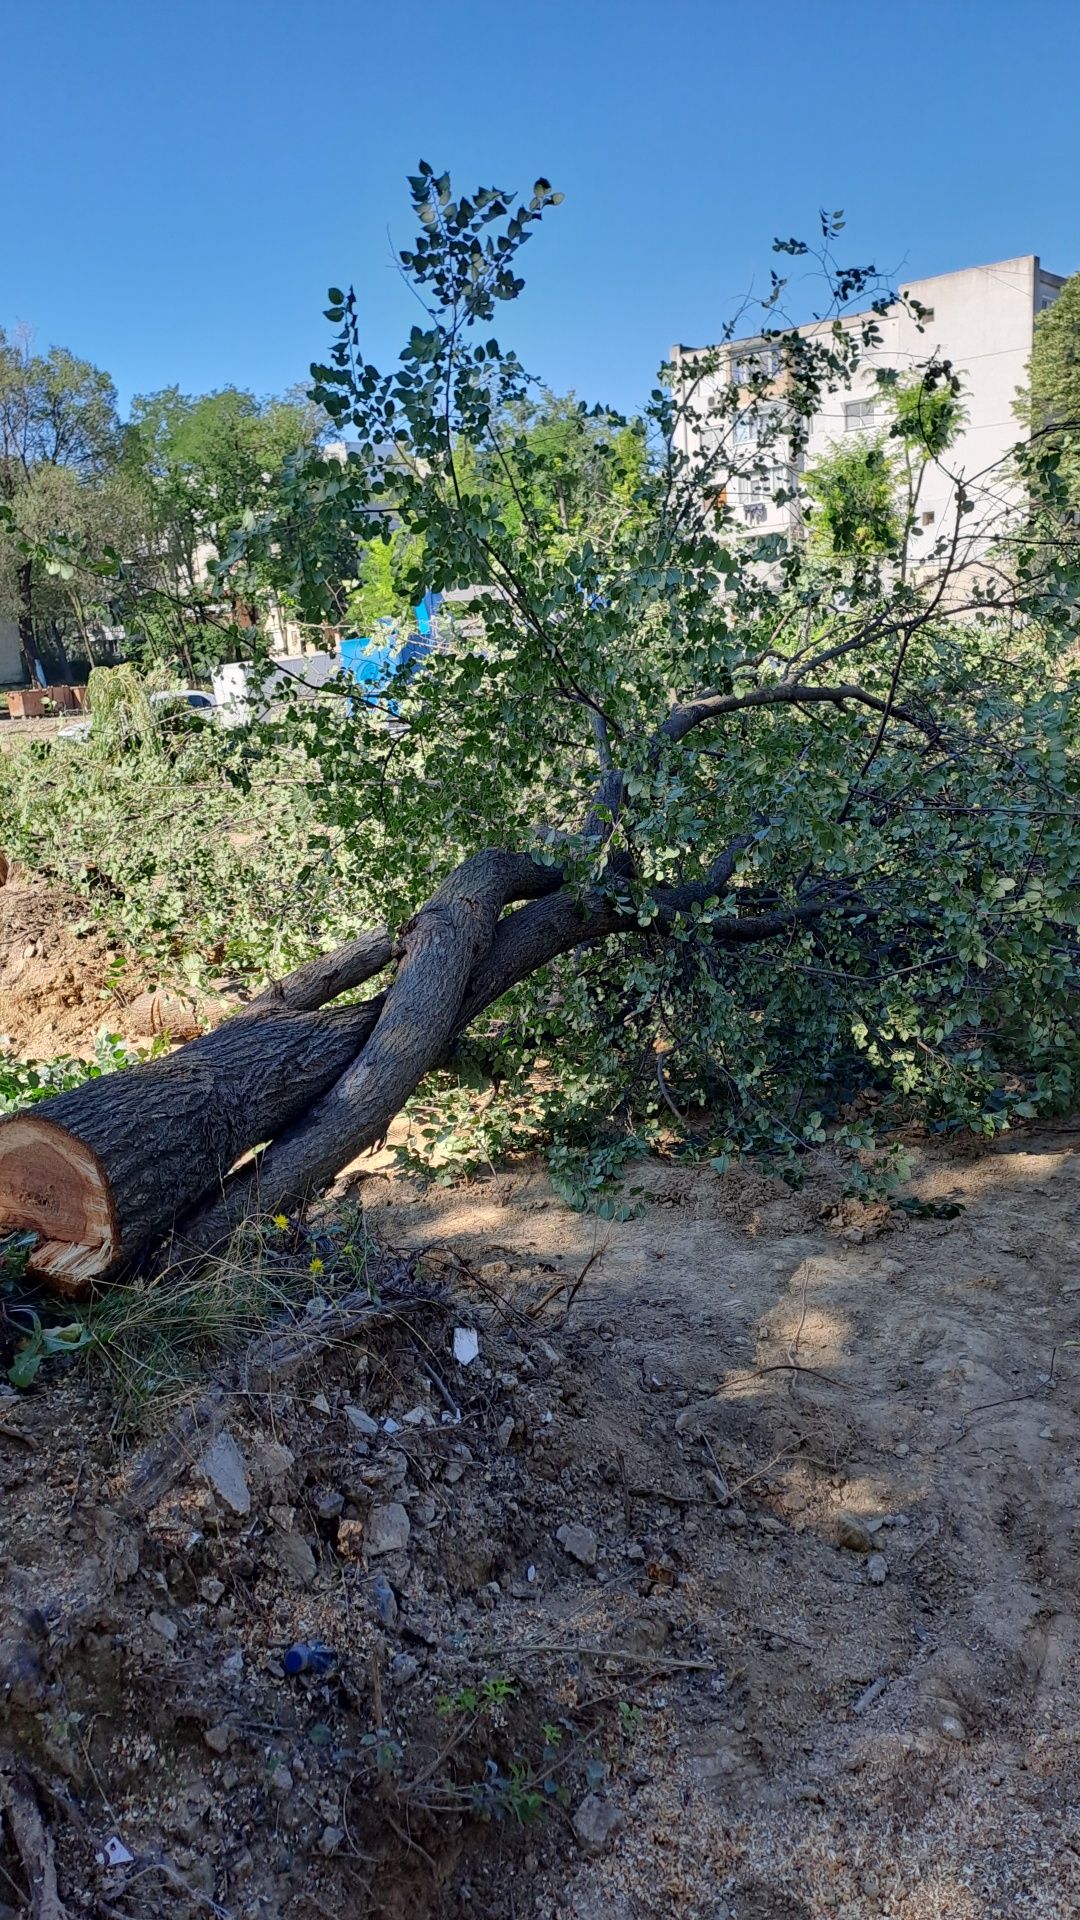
[(24, 1368)]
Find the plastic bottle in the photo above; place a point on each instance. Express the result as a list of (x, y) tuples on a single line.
[(308, 1656)]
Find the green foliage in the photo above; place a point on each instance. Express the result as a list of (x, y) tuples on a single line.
[(845, 893), (205, 467), (938, 825), (105, 528), (204, 853), (864, 492), (513, 1784), (558, 468), (43, 1343), (55, 410), (208, 462), (121, 713), (24, 1082), (854, 491), (59, 437), (517, 1788), (927, 410), (1051, 405), (382, 592)]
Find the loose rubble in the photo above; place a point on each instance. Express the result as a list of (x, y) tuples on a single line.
[(588, 1665)]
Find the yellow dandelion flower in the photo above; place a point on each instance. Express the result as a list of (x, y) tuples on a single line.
[(316, 1266), (280, 1221)]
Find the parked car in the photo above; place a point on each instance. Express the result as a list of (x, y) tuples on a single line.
[(176, 700)]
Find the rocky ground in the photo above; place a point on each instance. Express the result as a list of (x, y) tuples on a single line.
[(743, 1589)]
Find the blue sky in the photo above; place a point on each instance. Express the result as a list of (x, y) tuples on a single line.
[(183, 179)]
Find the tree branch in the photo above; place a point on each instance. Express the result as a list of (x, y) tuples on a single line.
[(328, 975), (712, 706)]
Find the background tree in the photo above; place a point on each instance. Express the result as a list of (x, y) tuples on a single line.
[(58, 438), (854, 510), (1050, 409), (204, 468), (564, 465), (381, 595), (864, 492)]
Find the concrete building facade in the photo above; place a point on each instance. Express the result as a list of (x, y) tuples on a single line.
[(981, 319)]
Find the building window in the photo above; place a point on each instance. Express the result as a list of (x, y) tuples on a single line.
[(928, 518), (859, 415), (755, 425), (755, 514), (763, 363), (763, 484)]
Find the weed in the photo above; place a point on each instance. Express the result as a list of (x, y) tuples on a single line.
[(631, 1720), (155, 1340), (929, 1209), (496, 1692), (386, 1752), (39, 1343)]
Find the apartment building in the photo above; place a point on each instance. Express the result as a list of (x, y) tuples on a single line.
[(982, 319)]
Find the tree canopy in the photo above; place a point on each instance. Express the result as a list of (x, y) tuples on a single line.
[(1053, 397), (111, 525), (59, 435), (813, 832), (694, 836)]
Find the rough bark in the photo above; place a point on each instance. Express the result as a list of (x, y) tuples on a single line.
[(329, 975), (106, 1169), (440, 950)]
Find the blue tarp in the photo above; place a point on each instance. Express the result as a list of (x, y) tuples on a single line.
[(371, 662)]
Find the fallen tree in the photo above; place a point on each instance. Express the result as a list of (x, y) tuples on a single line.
[(104, 1170), (119, 1164), (817, 809)]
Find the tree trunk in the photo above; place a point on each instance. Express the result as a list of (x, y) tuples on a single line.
[(27, 637), (61, 652), (103, 1171), (442, 947), (100, 1172)]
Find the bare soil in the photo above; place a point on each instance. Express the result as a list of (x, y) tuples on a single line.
[(54, 969), (826, 1663), (61, 986)]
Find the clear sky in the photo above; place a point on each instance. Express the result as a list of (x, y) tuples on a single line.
[(182, 179)]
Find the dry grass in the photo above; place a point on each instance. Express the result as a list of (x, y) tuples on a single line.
[(156, 1340)]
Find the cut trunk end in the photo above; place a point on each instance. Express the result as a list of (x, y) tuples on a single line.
[(53, 1185)]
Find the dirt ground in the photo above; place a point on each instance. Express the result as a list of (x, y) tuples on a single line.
[(54, 968), (63, 984), (808, 1651)]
